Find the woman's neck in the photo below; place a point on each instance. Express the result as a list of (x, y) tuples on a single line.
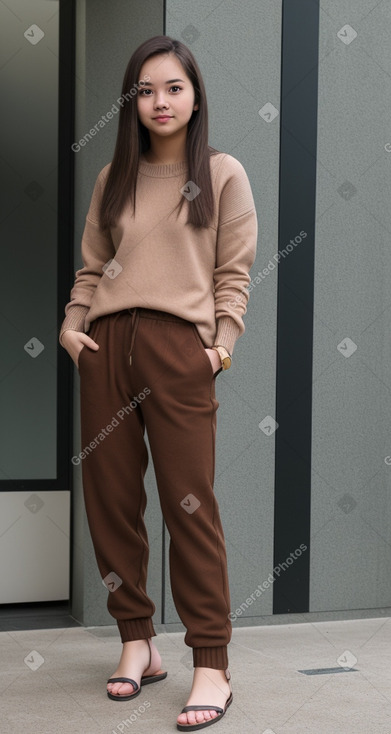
[(172, 150)]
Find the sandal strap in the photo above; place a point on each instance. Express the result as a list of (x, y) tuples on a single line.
[(214, 708), (125, 680), (130, 680), (150, 653), (201, 708)]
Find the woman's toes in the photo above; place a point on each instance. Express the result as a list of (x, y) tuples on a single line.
[(196, 717), (184, 719), (125, 689), (191, 717), (205, 715), (120, 689)]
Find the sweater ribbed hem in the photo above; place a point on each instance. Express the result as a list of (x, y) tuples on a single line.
[(227, 333), (135, 629), (74, 320), (211, 657)]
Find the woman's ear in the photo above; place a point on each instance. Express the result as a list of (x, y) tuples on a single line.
[(196, 107)]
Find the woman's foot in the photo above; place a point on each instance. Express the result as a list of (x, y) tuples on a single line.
[(134, 663), (209, 686)]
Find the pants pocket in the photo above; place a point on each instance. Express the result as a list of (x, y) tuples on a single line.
[(93, 331), (83, 349), (207, 361)]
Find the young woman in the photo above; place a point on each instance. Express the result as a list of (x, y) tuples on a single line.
[(169, 239)]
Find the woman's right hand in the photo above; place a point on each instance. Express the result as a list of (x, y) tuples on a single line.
[(75, 341)]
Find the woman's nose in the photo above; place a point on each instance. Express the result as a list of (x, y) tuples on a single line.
[(160, 100)]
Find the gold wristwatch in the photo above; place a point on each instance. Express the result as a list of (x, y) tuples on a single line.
[(226, 358)]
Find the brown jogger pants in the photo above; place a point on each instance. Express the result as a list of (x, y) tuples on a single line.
[(151, 371)]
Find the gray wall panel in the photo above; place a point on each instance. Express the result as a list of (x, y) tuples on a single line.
[(350, 539)]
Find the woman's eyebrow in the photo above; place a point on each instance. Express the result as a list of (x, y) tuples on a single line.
[(170, 81)]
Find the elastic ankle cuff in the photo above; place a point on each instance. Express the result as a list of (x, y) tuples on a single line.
[(210, 657), (135, 629)]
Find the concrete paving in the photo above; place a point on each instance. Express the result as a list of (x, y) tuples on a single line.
[(54, 681)]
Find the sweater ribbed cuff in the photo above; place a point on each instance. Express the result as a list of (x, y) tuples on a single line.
[(227, 333), (74, 320)]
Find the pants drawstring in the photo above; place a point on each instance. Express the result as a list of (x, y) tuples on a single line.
[(134, 312)]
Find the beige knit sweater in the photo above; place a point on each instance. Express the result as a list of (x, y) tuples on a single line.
[(160, 262)]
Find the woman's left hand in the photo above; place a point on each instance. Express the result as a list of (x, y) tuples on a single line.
[(214, 358)]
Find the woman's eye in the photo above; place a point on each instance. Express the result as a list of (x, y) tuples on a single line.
[(141, 91)]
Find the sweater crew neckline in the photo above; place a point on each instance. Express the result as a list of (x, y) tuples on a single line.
[(161, 170)]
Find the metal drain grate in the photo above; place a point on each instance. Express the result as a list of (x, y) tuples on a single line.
[(326, 671)]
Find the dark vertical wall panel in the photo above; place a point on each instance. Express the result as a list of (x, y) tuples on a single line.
[(299, 91)]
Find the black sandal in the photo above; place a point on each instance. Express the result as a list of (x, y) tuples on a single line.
[(145, 679), (221, 712)]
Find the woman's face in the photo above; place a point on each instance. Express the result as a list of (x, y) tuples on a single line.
[(168, 91)]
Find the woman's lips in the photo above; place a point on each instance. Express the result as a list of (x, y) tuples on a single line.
[(162, 118)]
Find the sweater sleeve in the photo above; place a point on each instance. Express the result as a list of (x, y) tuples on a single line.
[(96, 249), (235, 253)]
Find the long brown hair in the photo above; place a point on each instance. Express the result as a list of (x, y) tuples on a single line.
[(133, 139)]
